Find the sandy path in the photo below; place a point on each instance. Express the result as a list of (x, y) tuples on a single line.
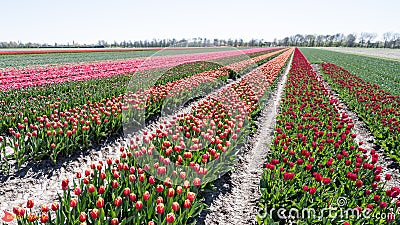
[(236, 199)]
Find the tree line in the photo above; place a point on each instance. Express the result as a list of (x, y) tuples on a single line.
[(364, 40)]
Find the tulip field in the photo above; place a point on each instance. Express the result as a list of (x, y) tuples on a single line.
[(315, 160), (75, 119), (186, 118)]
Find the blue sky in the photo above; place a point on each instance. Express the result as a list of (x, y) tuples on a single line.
[(87, 21)]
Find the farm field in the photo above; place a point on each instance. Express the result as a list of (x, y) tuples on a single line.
[(378, 52), (199, 136)]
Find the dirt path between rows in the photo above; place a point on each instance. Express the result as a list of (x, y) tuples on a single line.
[(388, 164), (235, 200)]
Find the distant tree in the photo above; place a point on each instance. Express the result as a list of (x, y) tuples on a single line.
[(320, 40), (230, 42), (363, 37), (386, 37), (240, 43), (351, 40), (215, 43), (338, 40), (309, 40), (329, 40), (275, 42), (395, 40), (370, 37), (102, 43)]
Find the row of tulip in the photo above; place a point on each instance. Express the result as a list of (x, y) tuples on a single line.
[(74, 50), (63, 132), (20, 78), (149, 183), (316, 167), (379, 109)]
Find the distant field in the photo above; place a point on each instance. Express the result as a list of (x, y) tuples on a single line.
[(15, 51), (379, 71), (379, 52), (84, 55)]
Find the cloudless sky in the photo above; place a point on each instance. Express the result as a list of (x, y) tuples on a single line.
[(87, 21)]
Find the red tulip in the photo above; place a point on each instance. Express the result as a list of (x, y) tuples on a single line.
[(187, 204), (29, 203), (118, 201), (114, 221), (114, 184), (175, 206), (377, 198), (160, 208), (359, 184), (160, 200), (186, 184), (171, 192), (170, 218), (100, 203), (160, 188), (132, 178), (94, 213), (102, 189), (179, 190), (44, 218), (73, 203), (196, 182), (19, 211), (77, 191), (31, 217), (82, 217), (127, 191), (142, 177), (326, 180), (288, 176), (54, 206), (64, 184), (146, 195), (152, 180), (102, 176), (45, 208), (191, 196), (139, 205)]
